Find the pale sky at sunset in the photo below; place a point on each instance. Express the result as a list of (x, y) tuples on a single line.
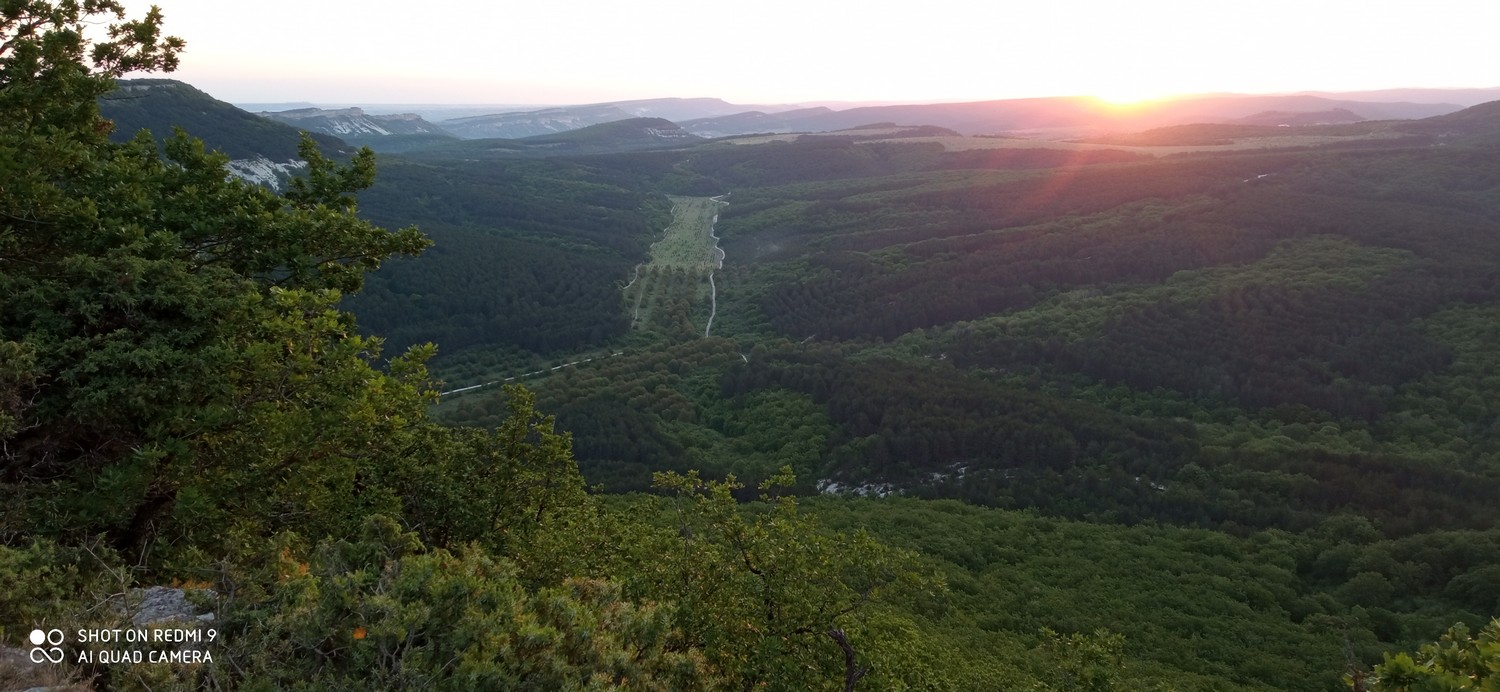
[(783, 51)]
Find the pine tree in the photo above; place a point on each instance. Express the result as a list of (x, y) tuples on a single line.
[(158, 315)]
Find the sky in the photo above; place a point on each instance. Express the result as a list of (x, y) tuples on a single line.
[(798, 51)]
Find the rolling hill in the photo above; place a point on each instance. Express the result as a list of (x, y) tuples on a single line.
[(260, 149), (630, 134)]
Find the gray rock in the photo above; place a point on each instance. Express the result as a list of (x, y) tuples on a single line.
[(17, 672), (162, 604)]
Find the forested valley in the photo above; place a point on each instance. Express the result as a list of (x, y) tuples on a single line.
[(1081, 416)]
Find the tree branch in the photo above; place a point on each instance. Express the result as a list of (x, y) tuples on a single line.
[(853, 672)]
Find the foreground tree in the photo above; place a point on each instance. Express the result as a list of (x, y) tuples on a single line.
[(384, 612), (159, 314), (774, 601), (1456, 661)]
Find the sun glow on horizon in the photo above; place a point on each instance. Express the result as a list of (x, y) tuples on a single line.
[(1131, 96), (1127, 55)]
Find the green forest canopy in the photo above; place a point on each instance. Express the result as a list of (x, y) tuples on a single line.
[(185, 402)]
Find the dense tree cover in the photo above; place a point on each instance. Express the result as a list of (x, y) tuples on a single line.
[(623, 412), (1228, 133), (1400, 235), (528, 256), (1289, 348), (479, 288), (664, 301), (1199, 609), (184, 402), (139, 104), (381, 611), (1007, 248), (965, 252), (815, 158), (1335, 578), (770, 592), (940, 431), (910, 421), (1021, 158)]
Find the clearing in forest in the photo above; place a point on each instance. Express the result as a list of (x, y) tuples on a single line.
[(663, 292), (689, 241)]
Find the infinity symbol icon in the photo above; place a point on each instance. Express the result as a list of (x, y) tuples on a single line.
[(52, 655)]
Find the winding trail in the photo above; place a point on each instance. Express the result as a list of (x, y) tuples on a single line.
[(513, 378), (713, 290), (635, 314)]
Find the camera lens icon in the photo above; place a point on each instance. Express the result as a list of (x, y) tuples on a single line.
[(52, 639)]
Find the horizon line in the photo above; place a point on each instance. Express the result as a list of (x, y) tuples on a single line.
[(827, 102)]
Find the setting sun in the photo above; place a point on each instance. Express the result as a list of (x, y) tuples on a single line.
[(1128, 97)]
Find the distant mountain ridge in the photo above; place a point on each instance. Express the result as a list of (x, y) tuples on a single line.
[(633, 130), (717, 118), (631, 134), (265, 148), (516, 125), (533, 123), (991, 117), (754, 121), (1335, 116), (354, 123), (675, 109), (1462, 97)]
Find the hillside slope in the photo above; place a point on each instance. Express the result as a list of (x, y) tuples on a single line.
[(261, 150)]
